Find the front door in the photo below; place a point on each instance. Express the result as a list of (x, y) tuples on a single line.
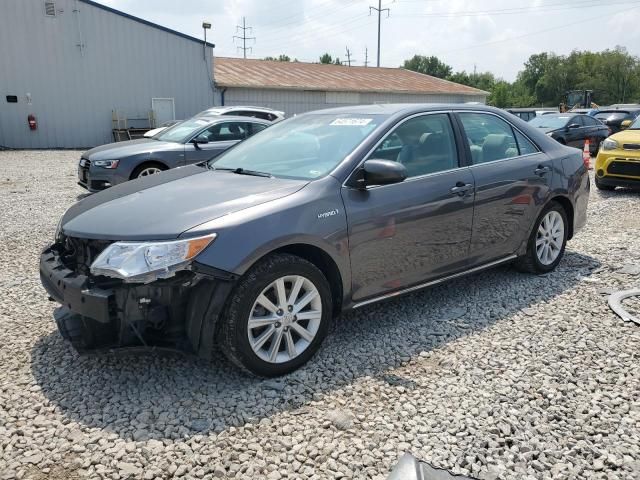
[(404, 234), (576, 134), (512, 180)]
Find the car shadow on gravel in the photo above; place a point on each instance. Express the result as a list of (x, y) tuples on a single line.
[(170, 396)]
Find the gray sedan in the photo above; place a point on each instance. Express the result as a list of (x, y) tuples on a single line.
[(325, 212), (195, 140)]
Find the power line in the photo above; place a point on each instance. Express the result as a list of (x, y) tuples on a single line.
[(379, 10), (244, 37)]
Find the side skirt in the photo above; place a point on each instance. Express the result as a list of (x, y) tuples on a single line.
[(431, 283)]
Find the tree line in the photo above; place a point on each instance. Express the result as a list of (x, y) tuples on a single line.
[(613, 75)]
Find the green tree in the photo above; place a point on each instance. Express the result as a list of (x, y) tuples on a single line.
[(326, 58), (428, 65), (279, 58)]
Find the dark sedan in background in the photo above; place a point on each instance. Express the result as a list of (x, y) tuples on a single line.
[(258, 249), (191, 141), (614, 118), (572, 130)]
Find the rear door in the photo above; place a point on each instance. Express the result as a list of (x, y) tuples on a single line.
[(406, 233), (512, 180)]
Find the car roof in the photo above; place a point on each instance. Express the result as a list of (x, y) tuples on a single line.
[(227, 118), (244, 107), (405, 108)]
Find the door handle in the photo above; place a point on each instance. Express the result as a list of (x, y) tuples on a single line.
[(461, 189), (540, 171)]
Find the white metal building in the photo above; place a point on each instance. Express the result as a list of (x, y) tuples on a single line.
[(296, 87), (70, 63)]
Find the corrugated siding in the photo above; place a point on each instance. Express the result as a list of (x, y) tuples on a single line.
[(123, 66), (295, 101)]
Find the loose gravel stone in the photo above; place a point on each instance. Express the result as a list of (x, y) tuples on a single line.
[(495, 376)]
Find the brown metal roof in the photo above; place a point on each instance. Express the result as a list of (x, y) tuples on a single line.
[(248, 73)]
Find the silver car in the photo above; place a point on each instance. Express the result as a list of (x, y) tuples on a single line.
[(192, 141)]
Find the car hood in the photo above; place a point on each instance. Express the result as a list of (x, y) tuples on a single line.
[(164, 205), (627, 136), (118, 150)]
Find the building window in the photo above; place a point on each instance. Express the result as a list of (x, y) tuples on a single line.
[(50, 9)]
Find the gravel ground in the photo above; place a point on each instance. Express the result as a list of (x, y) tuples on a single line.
[(501, 375)]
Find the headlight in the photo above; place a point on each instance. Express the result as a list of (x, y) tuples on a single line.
[(56, 235), (550, 134), (144, 262), (609, 144), (106, 163)]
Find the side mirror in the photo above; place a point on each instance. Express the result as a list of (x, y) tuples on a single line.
[(573, 125), (200, 140), (381, 172), (625, 124)]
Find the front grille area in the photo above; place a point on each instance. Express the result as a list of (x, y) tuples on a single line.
[(624, 168), (631, 146), (78, 254)]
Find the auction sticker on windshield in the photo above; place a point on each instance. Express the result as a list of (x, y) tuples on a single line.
[(351, 122)]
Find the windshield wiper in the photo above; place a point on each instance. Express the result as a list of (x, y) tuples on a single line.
[(242, 171)]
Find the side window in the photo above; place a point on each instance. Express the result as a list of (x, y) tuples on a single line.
[(424, 145), (524, 145), (223, 132), (577, 120), (490, 138), (254, 128)]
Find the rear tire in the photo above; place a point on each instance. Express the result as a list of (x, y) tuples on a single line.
[(547, 242), (147, 168), (606, 188), (271, 296)]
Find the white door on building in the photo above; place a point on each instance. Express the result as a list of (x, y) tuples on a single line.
[(164, 110)]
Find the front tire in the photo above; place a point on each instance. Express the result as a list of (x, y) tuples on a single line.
[(277, 316), (600, 186), (547, 242)]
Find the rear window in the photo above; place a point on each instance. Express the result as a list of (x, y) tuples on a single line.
[(611, 115)]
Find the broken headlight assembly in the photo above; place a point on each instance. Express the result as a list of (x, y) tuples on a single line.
[(144, 262)]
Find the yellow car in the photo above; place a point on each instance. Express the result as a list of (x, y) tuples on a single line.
[(618, 162)]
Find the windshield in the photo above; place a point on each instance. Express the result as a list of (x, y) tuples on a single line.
[(549, 121), (181, 132), (635, 125), (304, 147)]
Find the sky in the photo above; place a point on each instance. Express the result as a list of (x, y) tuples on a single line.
[(489, 35)]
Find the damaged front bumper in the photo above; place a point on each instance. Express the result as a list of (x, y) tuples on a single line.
[(99, 313)]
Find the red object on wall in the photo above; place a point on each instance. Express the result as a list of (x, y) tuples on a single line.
[(33, 123)]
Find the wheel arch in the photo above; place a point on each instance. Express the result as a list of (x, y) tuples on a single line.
[(147, 163), (323, 261), (566, 204)]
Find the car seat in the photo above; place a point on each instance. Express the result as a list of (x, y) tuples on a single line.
[(495, 147)]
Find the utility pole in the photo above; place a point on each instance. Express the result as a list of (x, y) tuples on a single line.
[(244, 37), (379, 10), (366, 57), (348, 56)]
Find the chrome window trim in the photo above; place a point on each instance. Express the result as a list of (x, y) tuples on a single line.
[(389, 133)]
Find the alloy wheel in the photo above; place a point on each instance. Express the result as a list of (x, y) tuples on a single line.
[(284, 319), (149, 171), (550, 238)]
